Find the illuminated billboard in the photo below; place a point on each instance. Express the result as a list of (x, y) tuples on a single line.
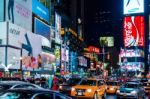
[(19, 12), (131, 53), (133, 6), (133, 66), (133, 31), (107, 41), (82, 61), (41, 28)]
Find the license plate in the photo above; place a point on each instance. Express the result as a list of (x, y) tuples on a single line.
[(80, 93), (124, 94)]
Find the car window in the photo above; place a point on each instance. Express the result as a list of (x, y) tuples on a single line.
[(100, 83), (88, 82), (128, 85), (112, 83), (44, 96), (5, 87), (15, 95), (24, 86)]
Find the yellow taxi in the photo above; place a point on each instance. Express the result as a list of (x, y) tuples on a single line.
[(112, 87), (89, 88)]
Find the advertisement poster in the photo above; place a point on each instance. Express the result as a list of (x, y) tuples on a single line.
[(30, 44), (133, 6), (19, 12), (41, 28), (13, 58), (2, 58), (57, 55), (57, 28), (31, 51), (64, 54), (133, 31), (3, 33)]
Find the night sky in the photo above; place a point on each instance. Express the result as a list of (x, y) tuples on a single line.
[(103, 18)]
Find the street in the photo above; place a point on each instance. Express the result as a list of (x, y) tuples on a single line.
[(114, 97)]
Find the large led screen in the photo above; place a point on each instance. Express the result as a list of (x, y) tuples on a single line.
[(107, 41), (131, 53), (133, 66), (133, 6), (40, 10), (41, 28), (133, 31)]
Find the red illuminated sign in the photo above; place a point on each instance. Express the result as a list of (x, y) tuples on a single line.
[(93, 49), (133, 31)]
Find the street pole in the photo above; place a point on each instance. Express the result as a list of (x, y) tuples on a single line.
[(103, 56)]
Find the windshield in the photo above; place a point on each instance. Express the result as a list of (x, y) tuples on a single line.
[(88, 82), (127, 85), (112, 83), (73, 81), (15, 95), (5, 87)]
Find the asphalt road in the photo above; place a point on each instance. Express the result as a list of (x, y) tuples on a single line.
[(114, 97)]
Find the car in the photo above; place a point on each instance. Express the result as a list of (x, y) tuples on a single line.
[(112, 87), (89, 88), (66, 87), (146, 86), (23, 93), (131, 90), (4, 85)]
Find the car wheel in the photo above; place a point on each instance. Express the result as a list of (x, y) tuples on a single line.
[(95, 96)]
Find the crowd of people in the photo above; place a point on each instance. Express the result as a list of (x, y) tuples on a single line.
[(52, 82)]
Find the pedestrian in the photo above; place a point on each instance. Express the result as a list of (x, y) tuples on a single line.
[(50, 81), (55, 83)]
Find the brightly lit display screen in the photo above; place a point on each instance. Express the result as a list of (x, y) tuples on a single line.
[(107, 41), (133, 31), (133, 6), (133, 66), (131, 53)]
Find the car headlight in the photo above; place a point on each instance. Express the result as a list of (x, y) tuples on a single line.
[(72, 89), (89, 90), (118, 91), (134, 92), (60, 87)]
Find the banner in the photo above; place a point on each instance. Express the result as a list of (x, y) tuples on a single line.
[(133, 31), (19, 12)]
